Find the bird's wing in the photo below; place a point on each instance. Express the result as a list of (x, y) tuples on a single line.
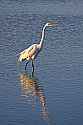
[(28, 53)]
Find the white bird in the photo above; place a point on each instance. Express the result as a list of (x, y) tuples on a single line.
[(32, 52)]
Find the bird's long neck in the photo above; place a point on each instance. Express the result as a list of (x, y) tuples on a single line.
[(42, 38)]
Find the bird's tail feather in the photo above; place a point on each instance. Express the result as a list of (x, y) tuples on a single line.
[(19, 59)]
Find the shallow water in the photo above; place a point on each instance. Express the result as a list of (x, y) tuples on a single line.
[(54, 94)]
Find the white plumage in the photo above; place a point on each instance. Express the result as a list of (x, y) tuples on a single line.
[(31, 52), (28, 53)]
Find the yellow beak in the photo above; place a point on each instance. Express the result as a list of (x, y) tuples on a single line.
[(52, 23)]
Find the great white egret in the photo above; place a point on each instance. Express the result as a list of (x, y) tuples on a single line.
[(32, 52)]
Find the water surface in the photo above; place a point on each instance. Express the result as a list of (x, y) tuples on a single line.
[(54, 94)]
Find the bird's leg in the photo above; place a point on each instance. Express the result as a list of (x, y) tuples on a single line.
[(33, 68), (26, 65)]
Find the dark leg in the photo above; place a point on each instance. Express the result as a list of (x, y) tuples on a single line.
[(26, 65), (32, 68)]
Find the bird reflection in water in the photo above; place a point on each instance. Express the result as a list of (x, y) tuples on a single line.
[(31, 90)]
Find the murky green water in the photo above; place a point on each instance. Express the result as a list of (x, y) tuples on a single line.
[(54, 96)]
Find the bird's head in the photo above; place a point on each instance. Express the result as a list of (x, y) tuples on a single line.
[(50, 24)]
